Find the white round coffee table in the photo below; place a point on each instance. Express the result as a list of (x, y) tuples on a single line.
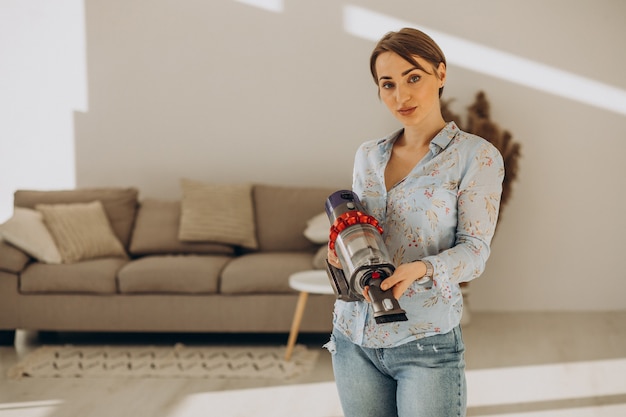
[(314, 282)]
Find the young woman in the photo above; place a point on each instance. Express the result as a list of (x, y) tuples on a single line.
[(436, 192)]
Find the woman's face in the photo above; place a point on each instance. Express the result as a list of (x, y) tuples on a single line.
[(411, 94)]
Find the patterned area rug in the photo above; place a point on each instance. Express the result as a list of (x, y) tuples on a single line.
[(179, 361)]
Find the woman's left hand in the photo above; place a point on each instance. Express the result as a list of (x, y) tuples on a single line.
[(402, 278)]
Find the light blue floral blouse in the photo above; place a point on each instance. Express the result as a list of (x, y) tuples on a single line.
[(444, 211)]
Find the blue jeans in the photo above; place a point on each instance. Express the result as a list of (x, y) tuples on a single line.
[(423, 378)]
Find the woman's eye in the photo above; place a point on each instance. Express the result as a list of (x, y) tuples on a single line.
[(414, 78), (386, 85)]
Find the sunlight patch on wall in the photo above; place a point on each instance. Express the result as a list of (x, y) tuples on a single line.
[(276, 6), (43, 79), (372, 25)]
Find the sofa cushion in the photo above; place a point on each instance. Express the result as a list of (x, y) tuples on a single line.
[(282, 214), (11, 258), (263, 273), (192, 274), (217, 213), (156, 232), (120, 204), (81, 231), (94, 276), (27, 231)]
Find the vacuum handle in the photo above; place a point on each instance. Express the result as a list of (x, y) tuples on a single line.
[(386, 307)]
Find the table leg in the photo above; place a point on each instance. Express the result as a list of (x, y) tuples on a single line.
[(295, 325)]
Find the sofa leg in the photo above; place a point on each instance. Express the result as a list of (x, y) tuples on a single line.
[(7, 337)]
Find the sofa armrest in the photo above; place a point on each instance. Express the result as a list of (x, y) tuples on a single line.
[(12, 259)]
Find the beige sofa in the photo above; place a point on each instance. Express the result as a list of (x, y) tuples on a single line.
[(165, 284)]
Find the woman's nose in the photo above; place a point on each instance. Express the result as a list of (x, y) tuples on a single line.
[(402, 94)]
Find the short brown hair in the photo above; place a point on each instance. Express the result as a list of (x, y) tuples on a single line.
[(408, 42)]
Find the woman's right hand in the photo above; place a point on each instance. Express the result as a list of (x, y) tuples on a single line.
[(333, 259)]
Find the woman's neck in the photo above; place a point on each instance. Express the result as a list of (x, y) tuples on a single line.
[(419, 136)]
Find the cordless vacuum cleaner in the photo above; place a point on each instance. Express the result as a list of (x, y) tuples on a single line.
[(356, 238)]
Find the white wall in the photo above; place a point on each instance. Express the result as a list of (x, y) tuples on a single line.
[(225, 91), (42, 82)]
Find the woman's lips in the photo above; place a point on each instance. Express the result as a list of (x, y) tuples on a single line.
[(406, 111)]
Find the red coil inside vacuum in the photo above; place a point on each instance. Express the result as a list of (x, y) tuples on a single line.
[(347, 219)]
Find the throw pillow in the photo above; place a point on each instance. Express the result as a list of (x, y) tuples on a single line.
[(27, 231), (156, 232), (120, 204), (217, 213), (81, 231), (318, 229)]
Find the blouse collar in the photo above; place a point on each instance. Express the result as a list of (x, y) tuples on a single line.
[(437, 144)]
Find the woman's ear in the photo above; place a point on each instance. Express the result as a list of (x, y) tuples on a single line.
[(441, 71)]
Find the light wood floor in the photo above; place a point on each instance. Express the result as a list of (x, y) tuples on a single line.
[(502, 350)]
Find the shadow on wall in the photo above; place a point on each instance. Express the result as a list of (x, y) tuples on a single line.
[(256, 90), (221, 91)]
